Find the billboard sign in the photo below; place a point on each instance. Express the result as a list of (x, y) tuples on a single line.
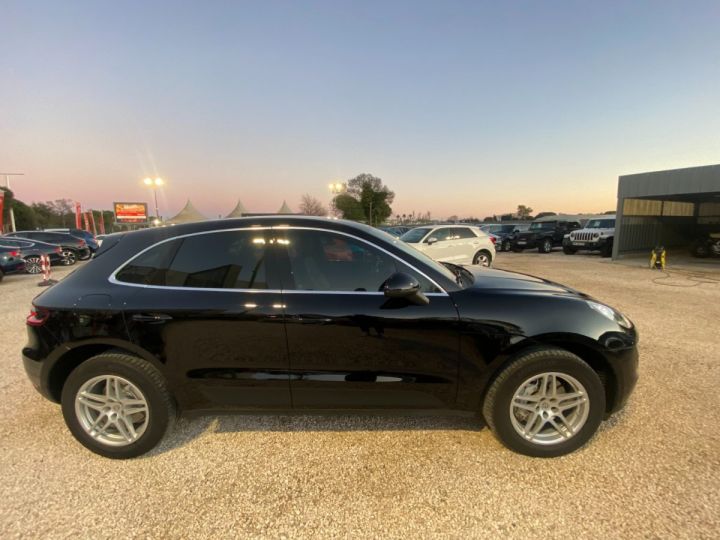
[(130, 212)]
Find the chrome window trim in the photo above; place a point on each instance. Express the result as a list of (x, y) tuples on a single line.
[(113, 279)]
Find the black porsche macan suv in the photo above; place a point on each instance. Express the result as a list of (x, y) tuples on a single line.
[(309, 314)]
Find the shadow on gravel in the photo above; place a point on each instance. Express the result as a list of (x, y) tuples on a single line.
[(189, 428)]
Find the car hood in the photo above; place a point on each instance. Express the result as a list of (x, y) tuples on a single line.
[(491, 278)]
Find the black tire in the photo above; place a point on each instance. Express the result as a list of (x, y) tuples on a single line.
[(2, 275), (496, 407), (69, 257), (567, 250), (85, 257), (483, 253), (545, 245), (607, 249), (160, 404), (33, 264), (505, 245), (700, 250)]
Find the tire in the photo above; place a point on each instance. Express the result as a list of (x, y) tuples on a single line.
[(545, 246), (483, 258), (69, 257), (567, 250), (700, 250), (85, 257), (2, 275), (505, 245), (607, 249), (33, 264), (144, 384), (506, 423)]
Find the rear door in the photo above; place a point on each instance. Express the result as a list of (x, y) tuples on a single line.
[(209, 306), (445, 246)]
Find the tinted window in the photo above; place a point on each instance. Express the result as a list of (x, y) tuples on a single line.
[(447, 233), (225, 260), (325, 261), (464, 232), (600, 224), (543, 225), (413, 236)]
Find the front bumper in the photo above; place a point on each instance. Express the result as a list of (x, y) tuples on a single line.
[(625, 371), (584, 244), (13, 267), (524, 242)]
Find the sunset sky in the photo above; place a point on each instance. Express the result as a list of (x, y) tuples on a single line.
[(466, 108)]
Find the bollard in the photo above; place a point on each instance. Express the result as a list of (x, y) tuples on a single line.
[(45, 265)]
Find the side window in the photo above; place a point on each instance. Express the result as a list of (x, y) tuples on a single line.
[(221, 260), (464, 232), (441, 235), (326, 261), (150, 267)]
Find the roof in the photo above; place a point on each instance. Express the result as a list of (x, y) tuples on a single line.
[(187, 215), (238, 211), (692, 180), (560, 217), (285, 209)]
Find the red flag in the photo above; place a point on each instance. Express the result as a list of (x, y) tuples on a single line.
[(78, 210), (2, 204), (85, 220), (102, 222), (92, 221)]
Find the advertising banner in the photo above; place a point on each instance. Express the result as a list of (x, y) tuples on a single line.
[(2, 210), (130, 212), (78, 210), (92, 222)]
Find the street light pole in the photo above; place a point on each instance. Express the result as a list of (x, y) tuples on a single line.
[(154, 184), (7, 185)]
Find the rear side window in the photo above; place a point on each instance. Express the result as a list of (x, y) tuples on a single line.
[(222, 260)]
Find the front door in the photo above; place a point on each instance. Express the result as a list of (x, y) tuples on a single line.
[(209, 306), (352, 348)]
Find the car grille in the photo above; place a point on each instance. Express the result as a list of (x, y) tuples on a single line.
[(582, 236)]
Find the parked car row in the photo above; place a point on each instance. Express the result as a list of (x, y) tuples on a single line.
[(457, 244), (62, 246)]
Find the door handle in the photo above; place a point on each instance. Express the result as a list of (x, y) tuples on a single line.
[(151, 317)]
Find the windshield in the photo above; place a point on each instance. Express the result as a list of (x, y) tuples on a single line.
[(543, 225), (413, 236), (600, 224)]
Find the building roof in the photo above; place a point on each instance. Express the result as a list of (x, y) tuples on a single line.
[(285, 209), (187, 215)]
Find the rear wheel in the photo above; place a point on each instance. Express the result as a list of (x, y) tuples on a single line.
[(117, 405), (546, 403), (33, 265), (483, 258), (545, 245)]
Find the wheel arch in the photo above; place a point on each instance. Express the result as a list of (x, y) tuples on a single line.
[(65, 361), (576, 344)]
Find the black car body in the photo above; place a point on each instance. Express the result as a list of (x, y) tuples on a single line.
[(505, 233), (301, 313), (545, 233), (73, 248), (33, 250), (90, 239), (11, 261)]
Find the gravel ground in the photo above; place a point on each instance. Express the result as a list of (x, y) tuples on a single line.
[(652, 471)]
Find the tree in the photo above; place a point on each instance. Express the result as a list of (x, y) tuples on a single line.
[(453, 219), (310, 206), (524, 212), (545, 214), (366, 199)]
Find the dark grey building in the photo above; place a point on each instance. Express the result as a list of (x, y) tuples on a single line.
[(666, 207)]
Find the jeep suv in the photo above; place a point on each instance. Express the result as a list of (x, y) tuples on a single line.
[(546, 233), (597, 235)]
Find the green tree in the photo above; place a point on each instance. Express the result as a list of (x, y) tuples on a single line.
[(371, 198), (524, 212)]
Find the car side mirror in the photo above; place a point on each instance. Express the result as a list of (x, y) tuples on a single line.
[(405, 286), (432, 240)]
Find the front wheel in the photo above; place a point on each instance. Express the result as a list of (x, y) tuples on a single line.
[(69, 257), (545, 246), (567, 250), (483, 258), (117, 405), (546, 403)]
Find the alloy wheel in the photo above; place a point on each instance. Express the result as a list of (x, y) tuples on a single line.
[(33, 265), (69, 257), (112, 410), (549, 408)]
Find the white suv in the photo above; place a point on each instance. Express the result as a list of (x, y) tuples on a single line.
[(458, 244)]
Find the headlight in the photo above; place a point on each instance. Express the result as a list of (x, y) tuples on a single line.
[(610, 313), (596, 235)]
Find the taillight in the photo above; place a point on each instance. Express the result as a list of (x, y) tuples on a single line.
[(493, 239), (37, 317), (14, 253)]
